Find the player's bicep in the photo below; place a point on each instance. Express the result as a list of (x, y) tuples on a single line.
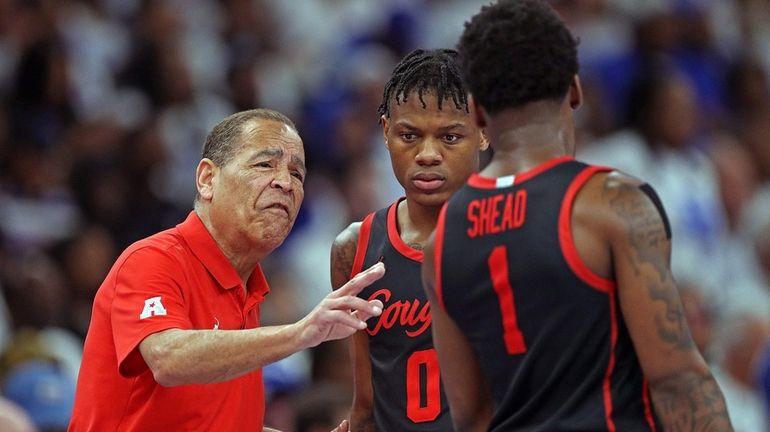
[(648, 296)]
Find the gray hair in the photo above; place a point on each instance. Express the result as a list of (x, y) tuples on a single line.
[(221, 142)]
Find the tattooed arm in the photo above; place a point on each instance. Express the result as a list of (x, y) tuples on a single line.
[(342, 256), (684, 393)]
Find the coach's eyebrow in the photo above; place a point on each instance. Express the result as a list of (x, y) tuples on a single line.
[(296, 160), (271, 153)]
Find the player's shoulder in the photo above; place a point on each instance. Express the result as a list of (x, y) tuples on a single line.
[(620, 200), (610, 182), (349, 236)]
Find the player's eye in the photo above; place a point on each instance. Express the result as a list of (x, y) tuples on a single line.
[(451, 138)]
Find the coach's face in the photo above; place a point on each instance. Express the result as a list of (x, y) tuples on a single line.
[(256, 196)]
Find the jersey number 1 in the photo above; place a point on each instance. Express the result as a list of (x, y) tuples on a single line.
[(415, 410), (498, 270)]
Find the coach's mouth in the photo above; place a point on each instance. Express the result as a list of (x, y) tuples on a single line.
[(281, 207)]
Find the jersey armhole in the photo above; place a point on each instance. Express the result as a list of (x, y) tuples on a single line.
[(566, 241), (438, 247), (362, 245)]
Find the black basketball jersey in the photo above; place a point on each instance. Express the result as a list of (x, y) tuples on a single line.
[(547, 331), (408, 394)]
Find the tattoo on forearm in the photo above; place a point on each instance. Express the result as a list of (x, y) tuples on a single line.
[(648, 256), (691, 402), (672, 327)]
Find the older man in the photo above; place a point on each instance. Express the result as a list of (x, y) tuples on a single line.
[(175, 341)]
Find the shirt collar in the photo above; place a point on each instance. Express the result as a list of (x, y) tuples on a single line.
[(207, 251)]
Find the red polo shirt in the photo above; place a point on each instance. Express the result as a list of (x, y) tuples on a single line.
[(178, 278)]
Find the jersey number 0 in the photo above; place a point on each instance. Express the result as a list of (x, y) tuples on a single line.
[(416, 410)]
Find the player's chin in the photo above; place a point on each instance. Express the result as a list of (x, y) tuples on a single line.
[(435, 198)]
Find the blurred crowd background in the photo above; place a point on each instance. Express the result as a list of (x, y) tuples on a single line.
[(105, 105)]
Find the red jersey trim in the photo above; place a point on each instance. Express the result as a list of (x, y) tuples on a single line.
[(647, 405), (395, 237), (438, 247), (363, 244), (565, 234), (607, 385), (478, 181)]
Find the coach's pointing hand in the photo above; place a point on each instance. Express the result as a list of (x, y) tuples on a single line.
[(341, 313)]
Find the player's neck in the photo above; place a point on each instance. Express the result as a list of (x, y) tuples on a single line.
[(416, 222), (525, 138)]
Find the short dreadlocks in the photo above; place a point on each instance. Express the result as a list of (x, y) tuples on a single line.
[(426, 71)]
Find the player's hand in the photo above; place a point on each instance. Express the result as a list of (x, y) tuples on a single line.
[(343, 427), (342, 313)]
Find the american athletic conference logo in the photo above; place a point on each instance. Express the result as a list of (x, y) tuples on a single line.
[(413, 315), (152, 307)]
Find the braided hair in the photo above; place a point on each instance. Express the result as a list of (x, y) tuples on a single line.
[(426, 71)]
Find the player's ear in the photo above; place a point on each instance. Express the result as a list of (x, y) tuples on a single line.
[(205, 176), (385, 128), (575, 93), (484, 142)]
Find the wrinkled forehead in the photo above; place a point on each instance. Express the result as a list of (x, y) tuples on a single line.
[(261, 133)]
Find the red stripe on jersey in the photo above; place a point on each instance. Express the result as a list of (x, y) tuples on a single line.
[(438, 247), (607, 385), (647, 405), (478, 181), (565, 234), (395, 238), (363, 244)]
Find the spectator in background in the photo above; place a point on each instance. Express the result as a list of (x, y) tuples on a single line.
[(13, 418), (738, 185), (659, 145), (742, 339)]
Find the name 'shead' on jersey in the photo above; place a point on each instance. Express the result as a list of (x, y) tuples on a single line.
[(429, 128)]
